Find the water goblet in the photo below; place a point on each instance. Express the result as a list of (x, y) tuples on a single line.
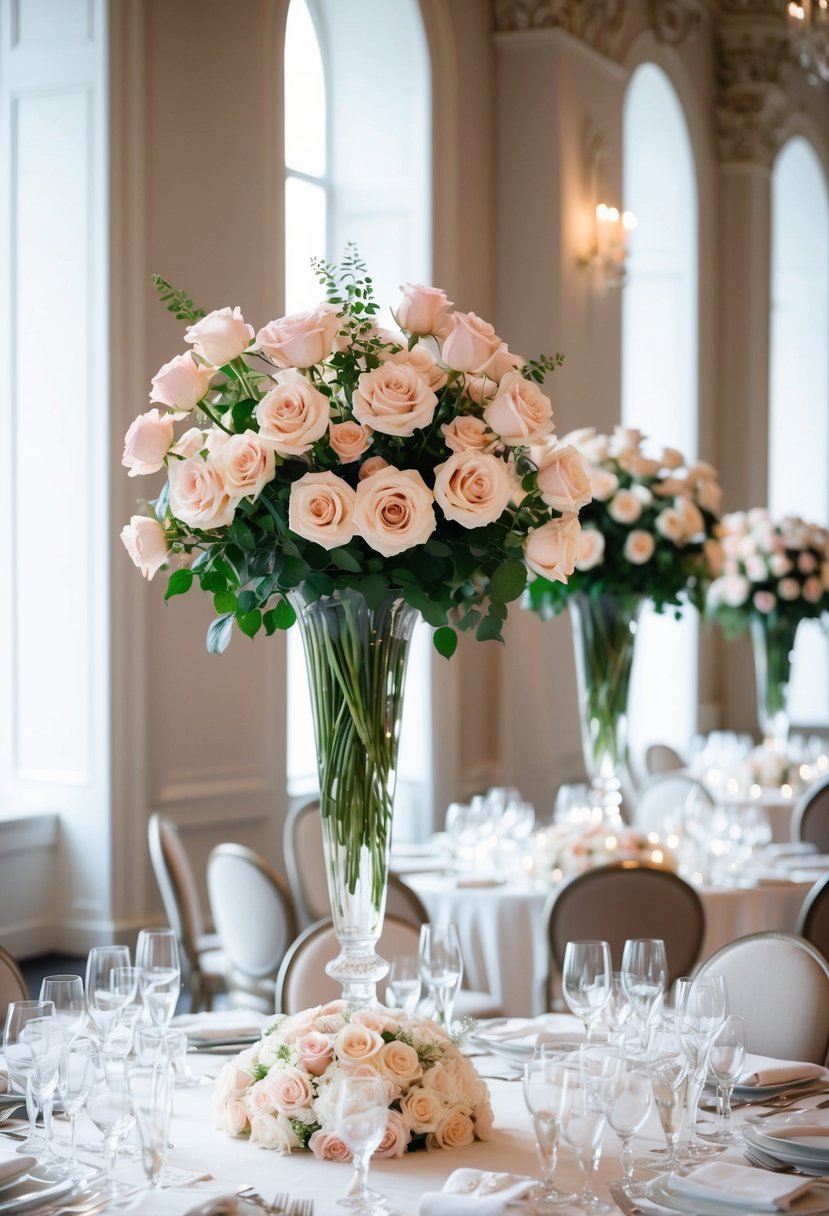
[(67, 995), (75, 1081), (668, 1068), (109, 1108), (404, 982), (361, 1114), (585, 980), (582, 1124), (441, 967), (157, 958), (45, 1040), (627, 1113), (546, 1078), (617, 1013), (103, 1004), (644, 974), (19, 1062), (726, 1061), (151, 1096)]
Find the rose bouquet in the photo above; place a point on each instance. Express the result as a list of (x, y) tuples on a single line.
[(565, 849), (282, 1093)]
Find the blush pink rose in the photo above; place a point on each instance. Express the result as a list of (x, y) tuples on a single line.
[(147, 442), (373, 465), (293, 415), (764, 601), (395, 1138), (455, 1130), (315, 1052), (321, 509), (146, 542), (355, 1043), (788, 589), (552, 549), (289, 1090), (425, 364), (191, 442), (394, 510), (472, 488), (303, 338), (220, 336), (231, 1117), (504, 361), (624, 507), (470, 343), (422, 1111), (246, 465), (813, 589), (519, 412), (589, 549), (197, 494), (259, 1098), (348, 440), (479, 389), (639, 547), (399, 1061), (562, 480), (603, 483), (466, 433), (327, 1147), (181, 383), (423, 310), (393, 399)]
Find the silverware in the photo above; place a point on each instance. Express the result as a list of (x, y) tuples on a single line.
[(624, 1201), (287, 1206), (7, 1111)]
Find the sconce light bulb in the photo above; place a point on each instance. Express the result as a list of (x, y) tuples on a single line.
[(601, 212), (613, 215), (629, 221)]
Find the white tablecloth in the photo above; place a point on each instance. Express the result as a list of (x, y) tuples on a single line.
[(503, 932)]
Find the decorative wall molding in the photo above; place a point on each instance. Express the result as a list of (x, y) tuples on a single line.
[(596, 22), (674, 20), (755, 60)]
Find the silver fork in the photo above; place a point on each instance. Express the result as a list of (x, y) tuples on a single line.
[(287, 1206)]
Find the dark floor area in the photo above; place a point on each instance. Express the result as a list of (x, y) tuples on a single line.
[(36, 968)]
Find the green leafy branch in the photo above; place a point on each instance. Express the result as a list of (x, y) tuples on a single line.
[(177, 302)]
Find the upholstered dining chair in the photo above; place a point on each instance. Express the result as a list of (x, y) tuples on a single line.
[(404, 903), (12, 984), (810, 822), (201, 953), (627, 899), (304, 862), (779, 985), (255, 920), (813, 918), (662, 758), (665, 797)]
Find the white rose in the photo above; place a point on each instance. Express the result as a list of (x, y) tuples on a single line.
[(246, 465), (519, 412), (181, 383), (734, 590), (197, 494), (321, 509), (394, 510), (146, 542), (562, 480), (220, 336), (625, 507), (472, 488), (590, 550), (293, 415), (393, 399), (274, 1132), (639, 547)]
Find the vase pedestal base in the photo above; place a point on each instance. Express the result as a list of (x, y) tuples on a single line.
[(358, 971)]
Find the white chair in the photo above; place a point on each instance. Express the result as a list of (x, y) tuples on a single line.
[(201, 954), (779, 985), (662, 758), (255, 920), (305, 864), (664, 799), (810, 822), (12, 984)]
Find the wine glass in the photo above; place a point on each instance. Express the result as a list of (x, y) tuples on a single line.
[(151, 1095), (157, 958), (361, 1114), (701, 1007), (75, 1081), (109, 1108), (668, 1068), (726, 1060), (441, 968), (546, 1079), (627, 1113), (123, 982), (67, 995), (45, 1040), (586, 979), (618, 1011), (644, 974), (404, 982), (584, 1116), (103, 1004), (19, 1061)]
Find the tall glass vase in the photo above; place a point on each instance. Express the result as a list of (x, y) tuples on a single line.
[(604, 633), (773, 643), (356, 657)]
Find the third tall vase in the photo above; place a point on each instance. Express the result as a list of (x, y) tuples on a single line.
[(773, 643)]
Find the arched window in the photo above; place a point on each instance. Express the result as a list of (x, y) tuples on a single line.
[(357, 168), (659, 366), (799, 383)]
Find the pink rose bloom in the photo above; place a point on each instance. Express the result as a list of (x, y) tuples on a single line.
[(293, 415), (504, 361), (260, 1099), (806, 563), (220, 336), (562, 480), (484, 1119), (231, 1117), (603, 483), (246, 465), (355, 1043), (146, 542), (470, 343), (472, 488), (147, 442), (520, 413), (813, 589), (423, 310), (466, 433), (315, 1052), (624, 507), (302, 339), (479, 389), (191, 442), (589, 549), (394, 400), (551, 549), (639, 547), (764, 601), (373, 465), (788, 589), (455, 1130), (181, 383), (348, 440), (425, 364), (321, 509), (394, 511), (327, 1147), (395, 1137), (289, 1090), (734, 590), (232, 1081), (779, 564), (197, 494)]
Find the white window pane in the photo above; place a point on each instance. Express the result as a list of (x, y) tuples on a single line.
[(304, 94), (304, 239)]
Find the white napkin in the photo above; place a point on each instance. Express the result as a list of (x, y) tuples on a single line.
[(223, 1024), (548, 1028), (765, 1070), (474, 1191), (4, 1082), (12, 1165), (741, 1186)]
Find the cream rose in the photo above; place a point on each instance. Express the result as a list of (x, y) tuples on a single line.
[(551, 549), (393, 399), (395, 1138), (181, 383), (423, 310), (197, 494), (147, 442), (394, 510), (274, 1132), (293, 415), (231, 1117), (470, 343), (422, 1111), (624, 507), (603, 483), (455, 1130), (301, 339), (146, 542), (220, 336), (373, 465), (400, 1063), (562, 480), (472, 488), (348, 440), (289, 1090), (355, 1043), (519, 412), (466, 433), (327, 1147), (246, 465), (639, 547), (321, 509), (424, 363), (589, 549), (585, 439)]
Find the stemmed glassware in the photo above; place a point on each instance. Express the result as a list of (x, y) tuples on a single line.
[(668, 1068), (441, 968), (103, 1003), (701, 1007), (586, 980), (157, 959), (617, 1013), (75, 1081), (361, 1114), (585, 1116), (404, 982), (67, 995), (728, 1053), (151, 1095), (123, 982), (45, 1040), (546, 1079), (110, 1109), (644, 975), (627, 1113), (19, 1061)]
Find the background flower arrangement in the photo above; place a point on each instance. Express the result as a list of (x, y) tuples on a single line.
[(564, 849), (335, 454), (282, 1093)]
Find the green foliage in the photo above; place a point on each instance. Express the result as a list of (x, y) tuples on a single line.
[(304, 1131), (259, 1071), (177, 302)]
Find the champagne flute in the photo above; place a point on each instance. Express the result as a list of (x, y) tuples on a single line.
[(627, 1114), (75, 1081), (701, 1007), (123, 983), (404, 982), (19, 1061), (586, 979), (728, 1053), (151, 1095), (67, 995), (157, 958), (546, 1079), (441, 967), (668, 1068), (644, 975), (361, 1114), (45, 1040), (103, 1004), (582, 1125)]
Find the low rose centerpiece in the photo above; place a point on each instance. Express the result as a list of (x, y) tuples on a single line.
[(282, 1092)]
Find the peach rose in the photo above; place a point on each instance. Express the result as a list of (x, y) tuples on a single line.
[(374, 1019), (472, 488), (709, 496), (146, 542), (289, 1090), (147, 442), (327, 1147), (293, 415), (813, 589), (197, 494), (764, 601), (423, 310), (393, 399), (315, 1052), (220, 336), (603, 483), (589, 549), (373, 465), (668, 487), (191, 442), (274, 1132), (181, 383), (348, 440), (639, 547), (624, 439), (321, 509), (668, 523), (562, 480), (504, 361), (303, 338), (624, 507), (455, 1130), (470, 343), (399, 1062), (484, 1119), (422, 1111), (691, 516), (638, 465), (394, 511), (424, 363), (395, 1138), (714, 557), (806, 563), (551, 549), (479, 389), (355, 1043), (246, 465), (519, 412), (589, 442), (466, 433), (672, 459)]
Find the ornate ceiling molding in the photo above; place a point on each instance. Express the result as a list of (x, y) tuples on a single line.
[(596, 22), (754, 63), (674, 20)]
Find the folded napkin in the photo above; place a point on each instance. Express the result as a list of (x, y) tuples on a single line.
[(741, 1186), (222, 1205), (474, 1191), (4, 1082), (223, 1024), (765, 1070), (12, 1165), (549, 1028)]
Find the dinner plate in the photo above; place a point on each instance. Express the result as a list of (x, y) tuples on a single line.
[(13, 1171), (658, 1191), (30, 1192), (806, 1144), (745, 1093)]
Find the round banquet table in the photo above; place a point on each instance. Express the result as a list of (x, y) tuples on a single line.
[(503, 932)]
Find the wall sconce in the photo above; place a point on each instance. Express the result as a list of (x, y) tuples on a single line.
[(809, 28), (606, 254)]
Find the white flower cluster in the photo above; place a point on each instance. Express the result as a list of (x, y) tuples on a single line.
[(771, 565), (565, 849), (282, 1093)]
